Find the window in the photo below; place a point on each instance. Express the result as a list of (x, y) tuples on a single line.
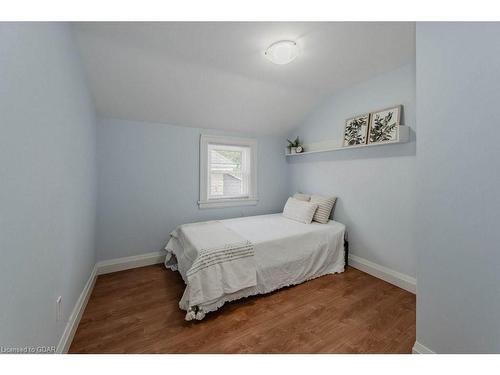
[(228, 171)]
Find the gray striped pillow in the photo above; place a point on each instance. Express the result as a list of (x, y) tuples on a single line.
[(325, 205)]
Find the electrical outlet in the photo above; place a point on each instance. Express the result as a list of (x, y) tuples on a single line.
[(59, 308)]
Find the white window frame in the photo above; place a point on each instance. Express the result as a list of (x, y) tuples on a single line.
[(251, 200)]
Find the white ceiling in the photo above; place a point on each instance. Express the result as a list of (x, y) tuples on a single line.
[(215, 75)]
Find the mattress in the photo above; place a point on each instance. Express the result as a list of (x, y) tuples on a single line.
[(286, 253)]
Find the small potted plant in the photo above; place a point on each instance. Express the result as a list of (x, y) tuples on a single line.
[(294, 147)]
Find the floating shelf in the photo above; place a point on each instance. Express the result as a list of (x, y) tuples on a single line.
[(333, 145)]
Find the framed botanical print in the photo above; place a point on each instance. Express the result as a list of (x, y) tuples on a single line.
[(384, 125), (356, 130)]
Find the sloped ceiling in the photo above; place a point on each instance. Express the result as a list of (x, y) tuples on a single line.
[(215, 75)]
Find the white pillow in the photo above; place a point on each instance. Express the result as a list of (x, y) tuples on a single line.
[(299, 210), (325, 205), (302, 197)]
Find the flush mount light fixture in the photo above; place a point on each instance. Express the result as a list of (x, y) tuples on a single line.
[(282, 52)]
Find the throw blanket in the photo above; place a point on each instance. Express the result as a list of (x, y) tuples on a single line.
[(223, 263)]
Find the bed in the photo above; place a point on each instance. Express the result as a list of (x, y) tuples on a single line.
[(260, 254)]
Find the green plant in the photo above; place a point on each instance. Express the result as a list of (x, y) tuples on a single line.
[(295, 143), (353, 131), (382, 129)]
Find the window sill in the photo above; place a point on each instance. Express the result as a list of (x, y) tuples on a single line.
[(218, 203)]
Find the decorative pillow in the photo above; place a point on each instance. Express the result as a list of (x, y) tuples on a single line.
[(325, 205), (302, 197), (299, 210)]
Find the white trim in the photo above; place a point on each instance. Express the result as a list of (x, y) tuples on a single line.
[(126, 263), (393, 277), (228, 203), (418, 348), (101, 268), (76, 314), (205, 140)]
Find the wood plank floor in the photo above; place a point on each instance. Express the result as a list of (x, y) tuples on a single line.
[(136, 311)]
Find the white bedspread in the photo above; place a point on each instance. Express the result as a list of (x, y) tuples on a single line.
[(286, 253), (223, 263)]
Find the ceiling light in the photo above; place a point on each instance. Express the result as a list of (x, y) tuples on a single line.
[(282, 52)]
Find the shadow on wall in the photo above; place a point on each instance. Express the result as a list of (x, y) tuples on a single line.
[(383, 151)]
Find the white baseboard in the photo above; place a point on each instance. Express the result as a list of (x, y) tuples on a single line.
[(101, 268), (418, 348), (126, 263), (76, 314), (393, 277)]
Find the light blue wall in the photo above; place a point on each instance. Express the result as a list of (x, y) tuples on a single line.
[(47, 181), (458, 186), (375, 186), (149, 183)]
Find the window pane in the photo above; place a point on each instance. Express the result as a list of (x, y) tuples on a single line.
[(228, 176)]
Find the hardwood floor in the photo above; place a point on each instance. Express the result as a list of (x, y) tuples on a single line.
[(136, 311)]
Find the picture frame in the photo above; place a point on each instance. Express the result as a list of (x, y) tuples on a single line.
[(356, 130), (384, 125)]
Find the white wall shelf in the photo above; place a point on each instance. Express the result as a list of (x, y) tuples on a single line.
[(333, 145)]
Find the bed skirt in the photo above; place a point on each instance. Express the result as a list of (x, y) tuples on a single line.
[(171, 264)]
